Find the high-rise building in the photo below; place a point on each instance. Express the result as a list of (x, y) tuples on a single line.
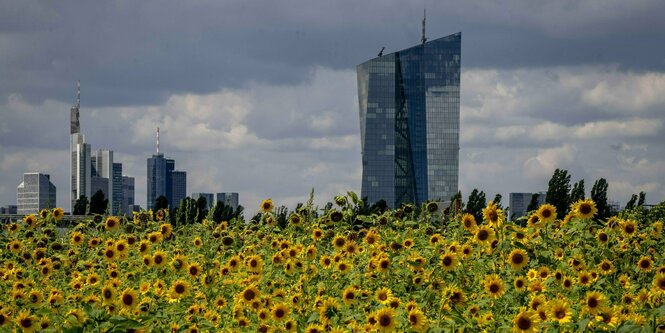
[(179, 187), (159, 178), (117, 193), (164, 180), (409, 122), (98, 183), (127, 194), (229, 199), (519, 202), (80, 164), (36, 192), (210, 198)]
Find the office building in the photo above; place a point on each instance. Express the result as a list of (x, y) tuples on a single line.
[(80, 164), (9, 209), (519, 202), (98, 183), (116, 197), (128, 193), (210, 198), (409, 104), (36, 192), (229, 199), (163, 180), (179, 187)]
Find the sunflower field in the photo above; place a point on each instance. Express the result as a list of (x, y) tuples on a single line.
[(412, 269)]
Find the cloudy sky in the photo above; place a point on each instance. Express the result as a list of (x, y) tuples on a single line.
[(260, 98)]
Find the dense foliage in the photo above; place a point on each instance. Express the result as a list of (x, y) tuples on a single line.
[(408, 269)]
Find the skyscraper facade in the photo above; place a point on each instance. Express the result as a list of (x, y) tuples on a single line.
[(80, 152), (36, 192), (229, 199), (159, 178), (178, 187), (127, 194), (409, 123), (116, 197)]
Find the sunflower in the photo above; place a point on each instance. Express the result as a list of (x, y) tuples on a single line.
[(526, 321), (92, 279), (645, 264), (159, 258), (449, 261), (77, 238), (108, 294), (295, 219), (179, 289), (519, 283), (267, 205), (659, 283), (534, 221), (58, 213), (383, 295), (560, 311), (197, 241), (112, 223), (484, 235), (372, 237), (122, 248), (317, 234), (166, 229), (469, 222), (110, 254), (44, 213), (80, 317), (344, 267), (15, 246), (254, 264), (349, 295), (417, 320), (129, 299), (493, 214), (593, 302), (250, 294), (518, 259), (339, 242), (385, 320), (494, 285), (606, 267), (220, 302), (546, 213), (628, 227), (155, 237), (585, 209), (194, 269), (178, 262), (314, 328), (30, 220), (26, 321)]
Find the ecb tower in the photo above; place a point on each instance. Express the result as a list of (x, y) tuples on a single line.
[(409, 122)]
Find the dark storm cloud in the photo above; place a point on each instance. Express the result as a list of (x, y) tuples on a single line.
[(129, 53)]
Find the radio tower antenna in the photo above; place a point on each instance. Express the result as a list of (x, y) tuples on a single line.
[(424, 39), (157, 140), (78, 95)]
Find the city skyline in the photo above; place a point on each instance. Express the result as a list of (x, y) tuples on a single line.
[(269, 108)]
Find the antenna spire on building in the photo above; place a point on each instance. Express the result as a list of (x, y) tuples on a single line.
[(78, 94), (424, 39), (157, 140)]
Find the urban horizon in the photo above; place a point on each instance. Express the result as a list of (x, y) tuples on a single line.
[(225, 136)]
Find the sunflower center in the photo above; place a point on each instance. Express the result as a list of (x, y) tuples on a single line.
[(494, 288), (193, 270), (518, 258), (127, 299), (592, 302), (645, 264), (493, 216), (585, 208), (413, 319), (524, 323), (547, 213), (249, 295), (26, 322), (447, 261), (483, 235), (180, 288), (630, 229), (158, 260), (385, 320), (279, 313)]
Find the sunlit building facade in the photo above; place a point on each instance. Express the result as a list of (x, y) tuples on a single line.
[(409, 123)]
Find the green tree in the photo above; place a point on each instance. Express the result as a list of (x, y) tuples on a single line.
[(187, 212), (202, 207), (497, 201), (475, 204), (577, 193), (222, 212), (81, 206), (534, 203), (599, 196), (558, 192), (642, 199), (98, 203), (631, 203), (161, 203)]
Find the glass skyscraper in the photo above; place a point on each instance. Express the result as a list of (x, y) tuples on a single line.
[(409, 123)]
